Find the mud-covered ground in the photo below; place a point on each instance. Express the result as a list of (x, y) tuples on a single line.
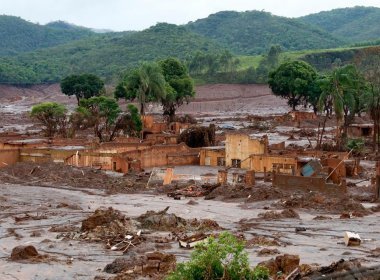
[(50, 217)]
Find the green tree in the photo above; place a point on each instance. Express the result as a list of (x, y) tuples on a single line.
[(292, 81), (179, 88), (369, 61), (82, 86), (52, 116), (218, 258), (145, 84), (102, 112)]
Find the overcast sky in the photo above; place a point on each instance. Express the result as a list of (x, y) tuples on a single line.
[(120, 15)]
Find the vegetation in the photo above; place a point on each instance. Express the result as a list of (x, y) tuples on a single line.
[(52, 116), (145, 84), (293, 81), (253, 32), (107, 119), (82, 86), (109, 55), (351, 24), (18, 35), (179, 86), (219, 258)]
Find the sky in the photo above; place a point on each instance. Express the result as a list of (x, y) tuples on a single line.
[(121, 15)]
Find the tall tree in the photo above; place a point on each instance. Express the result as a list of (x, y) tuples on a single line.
[(82, 86), (145, 84), (368, 61), (338, 96), (292, 81), (179, 87)]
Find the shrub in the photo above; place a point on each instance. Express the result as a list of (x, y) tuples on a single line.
[(219, 258)]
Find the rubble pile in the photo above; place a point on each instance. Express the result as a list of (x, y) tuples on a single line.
[(154, 265), (53, 174), (107, 224), (320, 202), (251, 194), (285, 264), (192, 190), (161, 220), (261, 241)]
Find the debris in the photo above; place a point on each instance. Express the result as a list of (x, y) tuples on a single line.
[(193, 240), (154, 264), (261, 241), (352, 239), (297, 229), (267, 252), (275, 215)]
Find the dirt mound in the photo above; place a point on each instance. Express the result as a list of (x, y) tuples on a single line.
[(161, 220), (275, 215), (24, 253), (55, 174), (337, 270), (251, 194), (320, 202), (103, 217)]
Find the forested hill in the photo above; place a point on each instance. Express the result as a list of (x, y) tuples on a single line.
[(18, 35), (106, 55), (253, 32), (350, 24)]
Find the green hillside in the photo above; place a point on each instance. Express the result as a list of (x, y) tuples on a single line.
[(18, 35), (254, 32), (106, 55), (351, 24)]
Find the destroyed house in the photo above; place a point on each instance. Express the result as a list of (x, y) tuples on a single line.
[(239, 148), (360, 130)]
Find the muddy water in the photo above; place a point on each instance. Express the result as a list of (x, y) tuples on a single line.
[(321, 243)]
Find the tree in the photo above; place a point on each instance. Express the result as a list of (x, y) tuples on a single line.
[(219, 258), (104, 114), (82, 86), (145, 84), (368, 61), (292, 81), (340, 91), (179, 88), (52, 116)]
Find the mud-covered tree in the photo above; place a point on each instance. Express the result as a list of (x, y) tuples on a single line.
[(52, 116), (368, 61), (144, 84), (292, 81), (82, 86), (104, 114), (219, 258), (179, 86), (340, 92)]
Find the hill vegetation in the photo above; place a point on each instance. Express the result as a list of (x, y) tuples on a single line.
[(232, 47), (350, 24), (106, 55), (253, 32), (18, 35)]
